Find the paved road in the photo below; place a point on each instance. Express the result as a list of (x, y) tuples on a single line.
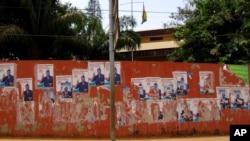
[(220, 138)]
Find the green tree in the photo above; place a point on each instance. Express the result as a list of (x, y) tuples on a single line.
[(128, 39), (213, 31), (39, 29)]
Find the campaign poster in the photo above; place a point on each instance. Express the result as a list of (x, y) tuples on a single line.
[(206, 82), (246, 95), (7, 74), (44, 75), (117, 73), (96, 73), (141, 84), (223, 94), (64, 86), (168, 87), (185, 110), (206, 109), (26, 88), (80, 82), (152, 88), (182, 83), (237, 98)]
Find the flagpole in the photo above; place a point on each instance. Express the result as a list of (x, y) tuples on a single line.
[(132, 16)]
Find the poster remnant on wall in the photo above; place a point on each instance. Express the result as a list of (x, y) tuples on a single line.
[(181, 82), (64, 86), (185, 110), (44, 75), (9, 96), (7, 74), (25, 112), (223, 94), (141, 84), (206, 82), (206, 109), (26, 88), (117, 73), (96, 73), (46, 103), (80, 80), (234, 75), (168, 87)]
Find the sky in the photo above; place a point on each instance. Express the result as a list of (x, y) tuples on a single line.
[(158, 11)]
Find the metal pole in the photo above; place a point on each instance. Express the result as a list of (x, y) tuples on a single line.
[(111, 60), (132, 52)]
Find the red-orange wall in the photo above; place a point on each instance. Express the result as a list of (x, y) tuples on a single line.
[(101, 128)]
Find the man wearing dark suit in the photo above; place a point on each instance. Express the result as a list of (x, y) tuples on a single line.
[(224, 101), (28, 94), (181, 90), (9, 79), (83, 85), (239, 102), (66, 93), (47, 80), (99, 78), (117, 78)]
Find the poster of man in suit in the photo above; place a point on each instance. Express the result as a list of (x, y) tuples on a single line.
[(182, 83), (26, 88), (117, 73), (44, 75), (64, 86), (168, 88), (80, 80), (96, 73), (237, 98), (7, 74), (223, 94)]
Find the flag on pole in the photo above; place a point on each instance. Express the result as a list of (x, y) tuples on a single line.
[(144, 15)]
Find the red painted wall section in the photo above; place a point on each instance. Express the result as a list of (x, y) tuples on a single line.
[(197, 110)]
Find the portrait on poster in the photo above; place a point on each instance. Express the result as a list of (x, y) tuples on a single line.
[(168, 86), (117, 73), (152, 88), (141, 84), (206, 82), (26, 88), (182, 83), (96, 73), (7, 74), (64, 86), (246, 95), (44, 75), (237, 96), (80, 80), (223, 94), (185, 110)]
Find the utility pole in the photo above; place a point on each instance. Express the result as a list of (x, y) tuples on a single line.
[(113, 37)]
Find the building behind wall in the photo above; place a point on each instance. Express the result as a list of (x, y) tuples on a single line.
[(155, 45)]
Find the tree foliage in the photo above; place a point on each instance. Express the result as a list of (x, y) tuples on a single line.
[(213, 31)]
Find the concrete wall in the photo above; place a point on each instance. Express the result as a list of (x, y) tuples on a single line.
[(86, 114)]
